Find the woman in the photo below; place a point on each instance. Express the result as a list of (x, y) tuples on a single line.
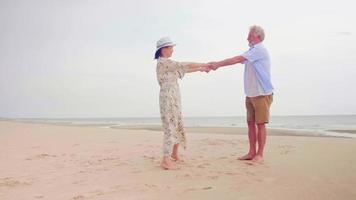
[(168, 72)]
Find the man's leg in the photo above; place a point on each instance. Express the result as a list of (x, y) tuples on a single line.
[(262, 105), (252, 137), (261, 139)]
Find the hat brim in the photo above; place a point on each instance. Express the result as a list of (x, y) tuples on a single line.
[(167, 45)]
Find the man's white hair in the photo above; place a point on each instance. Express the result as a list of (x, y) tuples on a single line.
[(258, 31)]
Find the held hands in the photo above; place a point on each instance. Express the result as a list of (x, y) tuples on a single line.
[(213, 65), (209, 66), (205, 68)]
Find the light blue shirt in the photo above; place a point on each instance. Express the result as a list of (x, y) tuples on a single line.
[(257, 77)]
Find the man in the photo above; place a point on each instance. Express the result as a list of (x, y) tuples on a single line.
[(258, 90)]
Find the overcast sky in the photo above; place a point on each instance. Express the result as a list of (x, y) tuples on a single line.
[(79, 58)]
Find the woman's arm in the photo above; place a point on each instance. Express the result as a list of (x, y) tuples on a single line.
[(195, 67)]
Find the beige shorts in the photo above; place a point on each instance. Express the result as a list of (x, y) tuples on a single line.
[(258, 108)]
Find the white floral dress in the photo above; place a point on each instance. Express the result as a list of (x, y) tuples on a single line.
[(168, 72)]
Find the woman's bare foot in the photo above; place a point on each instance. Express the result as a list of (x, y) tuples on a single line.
[(247, 157), (174, 155), (167, 164), (175, 158)]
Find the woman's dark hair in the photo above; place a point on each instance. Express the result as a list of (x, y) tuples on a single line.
[(158, 53)]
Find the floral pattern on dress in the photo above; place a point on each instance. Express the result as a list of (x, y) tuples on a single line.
[(168, 73)]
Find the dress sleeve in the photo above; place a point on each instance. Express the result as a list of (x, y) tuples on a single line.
[(180, 67)]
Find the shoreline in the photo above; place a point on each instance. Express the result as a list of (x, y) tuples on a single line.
[(229, 130), (223, 130)]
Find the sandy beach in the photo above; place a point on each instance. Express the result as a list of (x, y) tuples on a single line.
[(44, 161)]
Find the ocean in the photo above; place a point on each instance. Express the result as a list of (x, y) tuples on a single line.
[(331, 125)]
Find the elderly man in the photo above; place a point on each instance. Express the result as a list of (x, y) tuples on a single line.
[(258, 90)]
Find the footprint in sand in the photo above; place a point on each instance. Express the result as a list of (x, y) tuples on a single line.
[(203, 165), (110, 159), (231, 173), (200, 157), (151, 186), (284, 152), (250, 173), (41, 157), (256, 163), (285, 149), (99, 193), (185, 176), (10, 182), (190, 190), (213, 177), (79, 197), (149, 157)]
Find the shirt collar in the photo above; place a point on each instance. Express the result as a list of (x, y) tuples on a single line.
[(256, 45)]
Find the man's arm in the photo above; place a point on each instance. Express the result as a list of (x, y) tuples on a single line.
[(227, 62)]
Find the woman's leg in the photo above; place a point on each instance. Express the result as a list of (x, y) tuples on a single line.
[(167, 150), (174, 155), (179, 138)]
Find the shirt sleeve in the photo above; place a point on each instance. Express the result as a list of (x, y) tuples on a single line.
[(253, 54)]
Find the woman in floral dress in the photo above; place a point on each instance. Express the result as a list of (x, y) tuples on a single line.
[(168, 72)]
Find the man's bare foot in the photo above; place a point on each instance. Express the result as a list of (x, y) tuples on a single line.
[(258, 159), (247, 157), (167, 164)]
